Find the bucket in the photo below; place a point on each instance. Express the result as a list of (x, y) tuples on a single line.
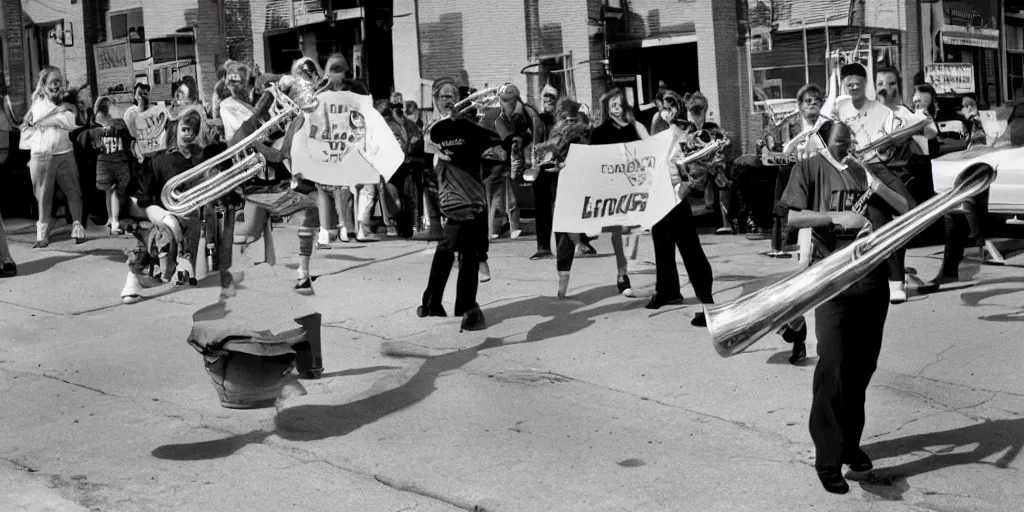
[(246, 381)]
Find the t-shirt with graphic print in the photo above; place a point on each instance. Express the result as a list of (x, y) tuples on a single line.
[(815, 185), (111, 144), (460, 185)]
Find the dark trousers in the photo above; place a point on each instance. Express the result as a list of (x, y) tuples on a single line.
[(677, 230), (779, 213), (849, 329), (565, 249), (894, 179), (469, 239), (544, 190)]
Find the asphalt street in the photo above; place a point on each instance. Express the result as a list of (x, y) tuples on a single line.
[(591, 403)]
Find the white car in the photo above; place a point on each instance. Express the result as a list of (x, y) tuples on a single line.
[(1006, 195)]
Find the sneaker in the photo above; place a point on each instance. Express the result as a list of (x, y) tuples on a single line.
[(77, 232), (897, 292), (42, 235), (324, 239), (8, 270), (515, 233), (343, 234), (485, 272)]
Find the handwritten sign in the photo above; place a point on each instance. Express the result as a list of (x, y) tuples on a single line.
[(951, 78), (151, 130), (345, 141), (115, 73), (615, 185)]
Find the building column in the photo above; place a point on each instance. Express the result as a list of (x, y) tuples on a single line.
[(598, 54), (12, 31), (223, 31), (727, 100), (912, 57)]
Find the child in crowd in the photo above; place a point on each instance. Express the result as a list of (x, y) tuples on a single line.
[(110, 142)]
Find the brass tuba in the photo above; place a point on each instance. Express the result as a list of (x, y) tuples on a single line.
[(480, 100), (736, 325), (247, 163)]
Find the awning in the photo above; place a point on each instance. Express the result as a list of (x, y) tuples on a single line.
[(965, 36)]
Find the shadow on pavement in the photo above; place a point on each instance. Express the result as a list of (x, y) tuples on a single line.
[(991, 437), (358, 371), (316, 422), (43, 264)]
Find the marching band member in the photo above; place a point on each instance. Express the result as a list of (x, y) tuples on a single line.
[(460, 143), (278, 173), (711, 174), (889, 87), (849, 327), (677, 228), (567, 130), (340, 197), (618, 127)]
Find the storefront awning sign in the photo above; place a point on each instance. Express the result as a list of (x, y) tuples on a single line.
[(951, 78), (964, 36)]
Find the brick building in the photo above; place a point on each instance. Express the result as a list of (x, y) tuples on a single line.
[(582, 47)]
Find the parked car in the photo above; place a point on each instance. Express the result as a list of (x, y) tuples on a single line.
[(1006, 156)]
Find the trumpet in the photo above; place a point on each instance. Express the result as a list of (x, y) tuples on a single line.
[(487, 98), (178, 199), (737, 325)]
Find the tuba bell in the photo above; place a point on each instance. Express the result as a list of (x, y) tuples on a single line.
[(210, 185), (737, 325)]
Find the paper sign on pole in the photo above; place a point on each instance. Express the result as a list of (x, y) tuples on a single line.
[(345, 141), (615, 185), (115, 73)]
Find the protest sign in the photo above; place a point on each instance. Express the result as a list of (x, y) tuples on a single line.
[(115, 71), (345, 141), (615, 185)]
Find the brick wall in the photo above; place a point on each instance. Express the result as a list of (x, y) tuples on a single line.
[(564, 29), (886, 14), (487, 39), (14, 55)]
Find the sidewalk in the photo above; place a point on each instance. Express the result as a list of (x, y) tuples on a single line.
[(591, 403)]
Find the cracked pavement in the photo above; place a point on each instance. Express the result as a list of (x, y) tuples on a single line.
[(590, 403)]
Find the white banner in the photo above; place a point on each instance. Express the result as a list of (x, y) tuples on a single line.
[(615, 185), (345, 141)]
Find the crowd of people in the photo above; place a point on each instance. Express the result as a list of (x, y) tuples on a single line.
[(457, 184)]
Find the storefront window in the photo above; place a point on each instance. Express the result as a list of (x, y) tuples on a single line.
[(129, 25)]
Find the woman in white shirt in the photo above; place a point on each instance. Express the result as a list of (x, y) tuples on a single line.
[(47, 130)]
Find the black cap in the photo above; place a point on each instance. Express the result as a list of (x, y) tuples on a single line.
[(855, 69)]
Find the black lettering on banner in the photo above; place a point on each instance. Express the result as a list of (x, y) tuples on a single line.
[(611, 206)]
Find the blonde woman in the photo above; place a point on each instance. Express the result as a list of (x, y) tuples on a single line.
[(46, 134)]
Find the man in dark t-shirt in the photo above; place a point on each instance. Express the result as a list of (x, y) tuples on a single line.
[(463, 201), (849, 327)]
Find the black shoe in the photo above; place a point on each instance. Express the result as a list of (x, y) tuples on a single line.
[(8, 270), (304, 286), (799, 352), (473, 320), (425, 311), (858, 461), (832, 479), (699, 320), (659, 300), (792, 336), (41, 244), (623, 284), (587, 250), (542, 254)]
